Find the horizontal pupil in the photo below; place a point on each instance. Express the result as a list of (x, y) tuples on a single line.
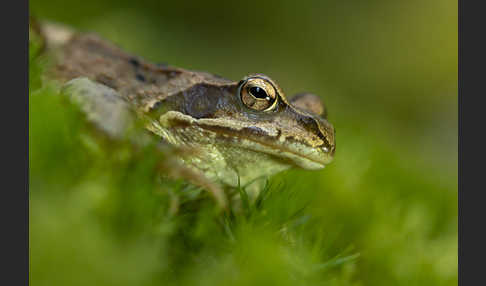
[(258, 92)]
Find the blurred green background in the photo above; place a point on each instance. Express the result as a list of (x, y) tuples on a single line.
[(383, 213)]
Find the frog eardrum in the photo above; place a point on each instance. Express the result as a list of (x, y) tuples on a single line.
[(258, 93)]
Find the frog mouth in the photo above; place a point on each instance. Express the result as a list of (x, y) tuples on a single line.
[(292, 151), (253, 138)]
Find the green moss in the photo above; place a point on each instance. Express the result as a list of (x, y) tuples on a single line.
[(100, 214)]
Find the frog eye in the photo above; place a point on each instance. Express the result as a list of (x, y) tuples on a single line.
[(258, 94)]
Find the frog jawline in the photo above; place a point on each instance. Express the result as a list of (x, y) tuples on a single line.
[(175, 118), (268, 148)]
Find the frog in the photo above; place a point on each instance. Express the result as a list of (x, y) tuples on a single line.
[(239, 130)]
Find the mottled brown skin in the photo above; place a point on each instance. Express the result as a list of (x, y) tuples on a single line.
[(293, 127)]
